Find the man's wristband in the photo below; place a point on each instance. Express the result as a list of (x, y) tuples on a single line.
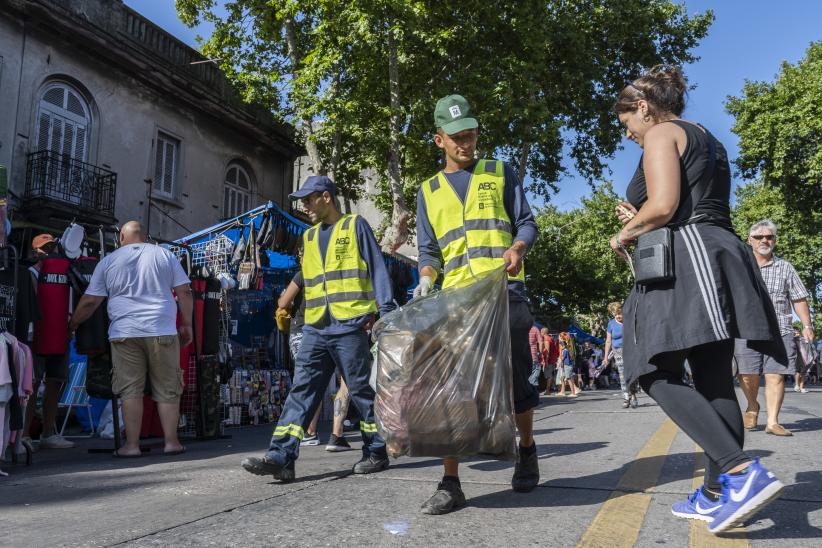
[(807, 326)]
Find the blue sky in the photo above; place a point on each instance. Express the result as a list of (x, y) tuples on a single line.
[(748, 41)]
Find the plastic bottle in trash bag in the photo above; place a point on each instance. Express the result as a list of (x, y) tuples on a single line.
[(444, 379)]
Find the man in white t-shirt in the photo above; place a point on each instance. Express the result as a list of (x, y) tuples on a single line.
[(138, 280)]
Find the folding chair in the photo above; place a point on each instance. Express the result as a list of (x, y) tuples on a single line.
[(74, 395)]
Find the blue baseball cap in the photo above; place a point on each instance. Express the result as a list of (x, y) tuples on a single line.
[(315, 183)]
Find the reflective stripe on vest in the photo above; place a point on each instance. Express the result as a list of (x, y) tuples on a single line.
[(340, 281), (474, 242)]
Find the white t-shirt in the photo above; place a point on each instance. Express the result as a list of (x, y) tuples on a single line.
[(137, 279)]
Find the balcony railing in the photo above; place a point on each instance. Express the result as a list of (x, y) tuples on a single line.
[(54, 176)]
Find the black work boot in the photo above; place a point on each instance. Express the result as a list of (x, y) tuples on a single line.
[(526, 470), (449, 497), (264, 467), (372, 463)]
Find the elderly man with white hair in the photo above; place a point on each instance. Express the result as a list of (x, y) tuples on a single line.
[(786, 290)]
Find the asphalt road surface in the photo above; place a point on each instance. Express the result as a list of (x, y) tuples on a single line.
[(608, 478)]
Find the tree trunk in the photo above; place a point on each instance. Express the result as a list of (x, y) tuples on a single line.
[(397, 232), (306, 126)]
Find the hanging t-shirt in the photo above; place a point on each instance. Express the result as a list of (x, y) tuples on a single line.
[(211, 316), (26, 309)]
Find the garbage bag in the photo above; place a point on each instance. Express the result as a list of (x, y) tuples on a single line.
[(444, 379)]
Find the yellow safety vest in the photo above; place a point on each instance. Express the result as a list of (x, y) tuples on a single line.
[(473, 235), (340, 281)]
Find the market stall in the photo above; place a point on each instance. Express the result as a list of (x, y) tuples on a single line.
[(238, 370)]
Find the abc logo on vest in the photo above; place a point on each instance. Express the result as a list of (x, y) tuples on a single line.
[(343, 241), (488, 186)]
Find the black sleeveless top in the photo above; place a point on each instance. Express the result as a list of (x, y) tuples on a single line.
[(702, 193)]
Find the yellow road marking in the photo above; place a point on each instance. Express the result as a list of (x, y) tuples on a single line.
[(620, 518), (700, 536)]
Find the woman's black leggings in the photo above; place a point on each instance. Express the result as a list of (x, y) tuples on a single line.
[(710, 414)]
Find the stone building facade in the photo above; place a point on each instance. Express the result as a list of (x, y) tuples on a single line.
[(105, 117)]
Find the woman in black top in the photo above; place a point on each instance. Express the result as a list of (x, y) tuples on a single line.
[(716, 295)]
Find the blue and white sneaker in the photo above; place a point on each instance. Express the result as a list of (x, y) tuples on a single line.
[(743, 495), (698, 506)]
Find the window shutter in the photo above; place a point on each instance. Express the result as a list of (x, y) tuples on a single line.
[(55, 96), (159, 148), (168, 169), (43, 131), (74, 105)]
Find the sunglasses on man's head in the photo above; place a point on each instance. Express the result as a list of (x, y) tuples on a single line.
[(758, 237)]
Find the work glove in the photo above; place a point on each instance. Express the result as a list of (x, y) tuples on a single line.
[(424, 287), (283, 318)]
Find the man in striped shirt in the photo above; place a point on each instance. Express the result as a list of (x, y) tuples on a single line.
[(786, 291)]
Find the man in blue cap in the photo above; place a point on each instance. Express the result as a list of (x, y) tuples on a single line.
[(346, 283)]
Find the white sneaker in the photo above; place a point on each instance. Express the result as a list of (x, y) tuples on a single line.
[(803, 390), (796, 388), (55, 441)]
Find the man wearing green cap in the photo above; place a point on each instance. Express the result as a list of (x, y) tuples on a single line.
[(473, 217)]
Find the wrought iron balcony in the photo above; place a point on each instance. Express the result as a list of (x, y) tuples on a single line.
[(58, 181)]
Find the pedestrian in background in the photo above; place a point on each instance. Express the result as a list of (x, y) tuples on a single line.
[(535, 341), (713, 292), (550, 353), (786, 292), (613, 350), (138, 279), (567, 361)]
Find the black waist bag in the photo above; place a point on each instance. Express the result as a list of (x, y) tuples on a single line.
[(653, 257)]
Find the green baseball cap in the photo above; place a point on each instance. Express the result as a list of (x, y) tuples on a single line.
[(453, 114)]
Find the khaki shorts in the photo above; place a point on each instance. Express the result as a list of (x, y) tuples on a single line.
[(159, 356)]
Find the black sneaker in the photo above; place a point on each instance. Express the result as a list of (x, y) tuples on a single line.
[(371, 464), (263, 467), (337, 444), (526, 471), (449, 497)]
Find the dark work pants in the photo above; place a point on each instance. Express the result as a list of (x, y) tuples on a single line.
[(318, 357), (710, 414)]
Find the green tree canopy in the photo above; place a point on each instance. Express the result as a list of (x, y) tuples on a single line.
[(780, 131), (571, 271), (799, 234), (538, 74)]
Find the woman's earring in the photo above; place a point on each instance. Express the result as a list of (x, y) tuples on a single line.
[(646, 118)]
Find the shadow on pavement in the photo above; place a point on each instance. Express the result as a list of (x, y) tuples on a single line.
[(805, 425), (544, 451)]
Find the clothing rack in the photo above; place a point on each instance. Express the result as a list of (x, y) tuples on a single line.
[(8, 307)]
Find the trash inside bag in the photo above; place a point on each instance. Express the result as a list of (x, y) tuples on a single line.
[(444, 380)]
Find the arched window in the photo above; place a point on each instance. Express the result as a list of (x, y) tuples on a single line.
[(237, 191), (63, 121)]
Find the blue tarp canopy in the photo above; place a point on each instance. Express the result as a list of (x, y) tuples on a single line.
[(581, 336), (239, 226), (234, 228)]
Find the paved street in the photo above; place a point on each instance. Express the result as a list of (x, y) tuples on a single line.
[(609, 477)]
